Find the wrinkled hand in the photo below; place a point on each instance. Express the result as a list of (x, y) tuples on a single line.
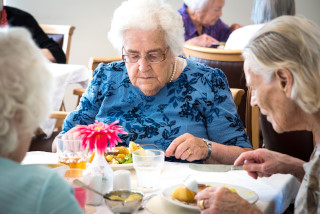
[(203, 40), (188, 147), (261, 162), (222, 200)]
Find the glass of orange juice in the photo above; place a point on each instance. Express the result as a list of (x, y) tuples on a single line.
[(70, 152)]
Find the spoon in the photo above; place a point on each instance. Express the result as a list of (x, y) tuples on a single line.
[(123, 197), (83, 185)]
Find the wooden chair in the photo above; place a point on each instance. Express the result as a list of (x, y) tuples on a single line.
[(61, 34), (93, 64), (231, 63), (237, 94)]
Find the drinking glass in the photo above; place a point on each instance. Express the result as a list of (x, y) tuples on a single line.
[(148, 164), (70, 152), (79, 193)]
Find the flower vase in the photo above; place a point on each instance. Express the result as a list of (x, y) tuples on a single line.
[(101, 178)]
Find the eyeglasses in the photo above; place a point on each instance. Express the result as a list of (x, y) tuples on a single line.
[(153, 57)]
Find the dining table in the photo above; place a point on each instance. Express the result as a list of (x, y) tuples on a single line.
[(63, 75), (271, 194)]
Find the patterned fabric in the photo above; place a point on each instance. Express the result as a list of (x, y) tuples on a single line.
[(219, 30), (198, 102), (308, 198)]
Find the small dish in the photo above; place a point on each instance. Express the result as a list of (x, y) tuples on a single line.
[(123, 201)]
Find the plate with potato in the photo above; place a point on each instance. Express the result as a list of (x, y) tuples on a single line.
[(179, 195)]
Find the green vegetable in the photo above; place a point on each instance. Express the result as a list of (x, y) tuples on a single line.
[(128, 158), (121, 160)]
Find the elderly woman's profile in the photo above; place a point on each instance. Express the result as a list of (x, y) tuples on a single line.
[(25, 88), (159, 98), (282, 66)]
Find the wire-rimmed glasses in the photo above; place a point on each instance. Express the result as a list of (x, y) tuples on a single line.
[(152, 57)]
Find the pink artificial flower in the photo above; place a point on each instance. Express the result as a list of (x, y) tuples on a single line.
[(100, 134)]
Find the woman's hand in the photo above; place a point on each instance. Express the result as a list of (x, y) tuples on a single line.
[(264, 163), (188, 147), (203, 40), (222, 200)]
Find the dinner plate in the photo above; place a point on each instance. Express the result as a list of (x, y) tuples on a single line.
[(122, 166), (245, 193)]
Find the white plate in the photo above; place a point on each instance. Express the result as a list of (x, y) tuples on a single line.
[(122, 166), (245, 193)]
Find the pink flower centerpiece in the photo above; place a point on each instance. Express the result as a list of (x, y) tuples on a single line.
[(99, 135)]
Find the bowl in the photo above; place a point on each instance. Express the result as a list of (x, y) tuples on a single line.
[(123, 201)]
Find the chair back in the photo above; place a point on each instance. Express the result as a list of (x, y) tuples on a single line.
[(231, 63), (93, 64), (61, 34), (95, 61)]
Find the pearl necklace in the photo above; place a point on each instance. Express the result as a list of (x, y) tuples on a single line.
[(174, 70)]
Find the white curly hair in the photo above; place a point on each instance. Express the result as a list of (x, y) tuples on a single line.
[(25, 86), (147, 15)]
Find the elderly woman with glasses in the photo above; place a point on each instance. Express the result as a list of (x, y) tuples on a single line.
[(178, 105), (285, 80)]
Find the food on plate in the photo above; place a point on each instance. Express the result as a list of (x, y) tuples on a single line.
[(186, 196), (134, 147), (123, 156), (182, 193)]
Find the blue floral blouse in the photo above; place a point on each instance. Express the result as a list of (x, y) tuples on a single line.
[(198, 102)]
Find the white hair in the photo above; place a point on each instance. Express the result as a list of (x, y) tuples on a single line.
[(196, 4), (293, 43), (147, 15), (265, 10), (25, 84)]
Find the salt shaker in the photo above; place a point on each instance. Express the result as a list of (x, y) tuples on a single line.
[(121, 180)]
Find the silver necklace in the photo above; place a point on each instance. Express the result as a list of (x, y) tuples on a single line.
[(174, 70)]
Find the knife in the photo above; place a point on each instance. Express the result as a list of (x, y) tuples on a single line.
[(214, 167)]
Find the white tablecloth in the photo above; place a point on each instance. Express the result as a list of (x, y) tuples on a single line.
[(64, 74), (275, 193)]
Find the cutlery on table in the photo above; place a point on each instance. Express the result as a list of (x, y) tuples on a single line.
[(214, 167), (191, 184)]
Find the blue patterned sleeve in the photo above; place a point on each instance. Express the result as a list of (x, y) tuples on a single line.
[(90, 102), (223, 122)]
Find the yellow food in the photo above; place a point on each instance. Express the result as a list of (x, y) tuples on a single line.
[(232, 189), (182, 193), (109, 158), (120, 156), (134, 147), (122, 150), (132, 197)]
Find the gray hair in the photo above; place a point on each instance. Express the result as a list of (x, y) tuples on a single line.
[(293, 43), (266, 10), (25, 84), (148, 15), (196, 4)]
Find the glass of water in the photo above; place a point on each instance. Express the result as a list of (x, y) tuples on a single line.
[(148, 164)]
